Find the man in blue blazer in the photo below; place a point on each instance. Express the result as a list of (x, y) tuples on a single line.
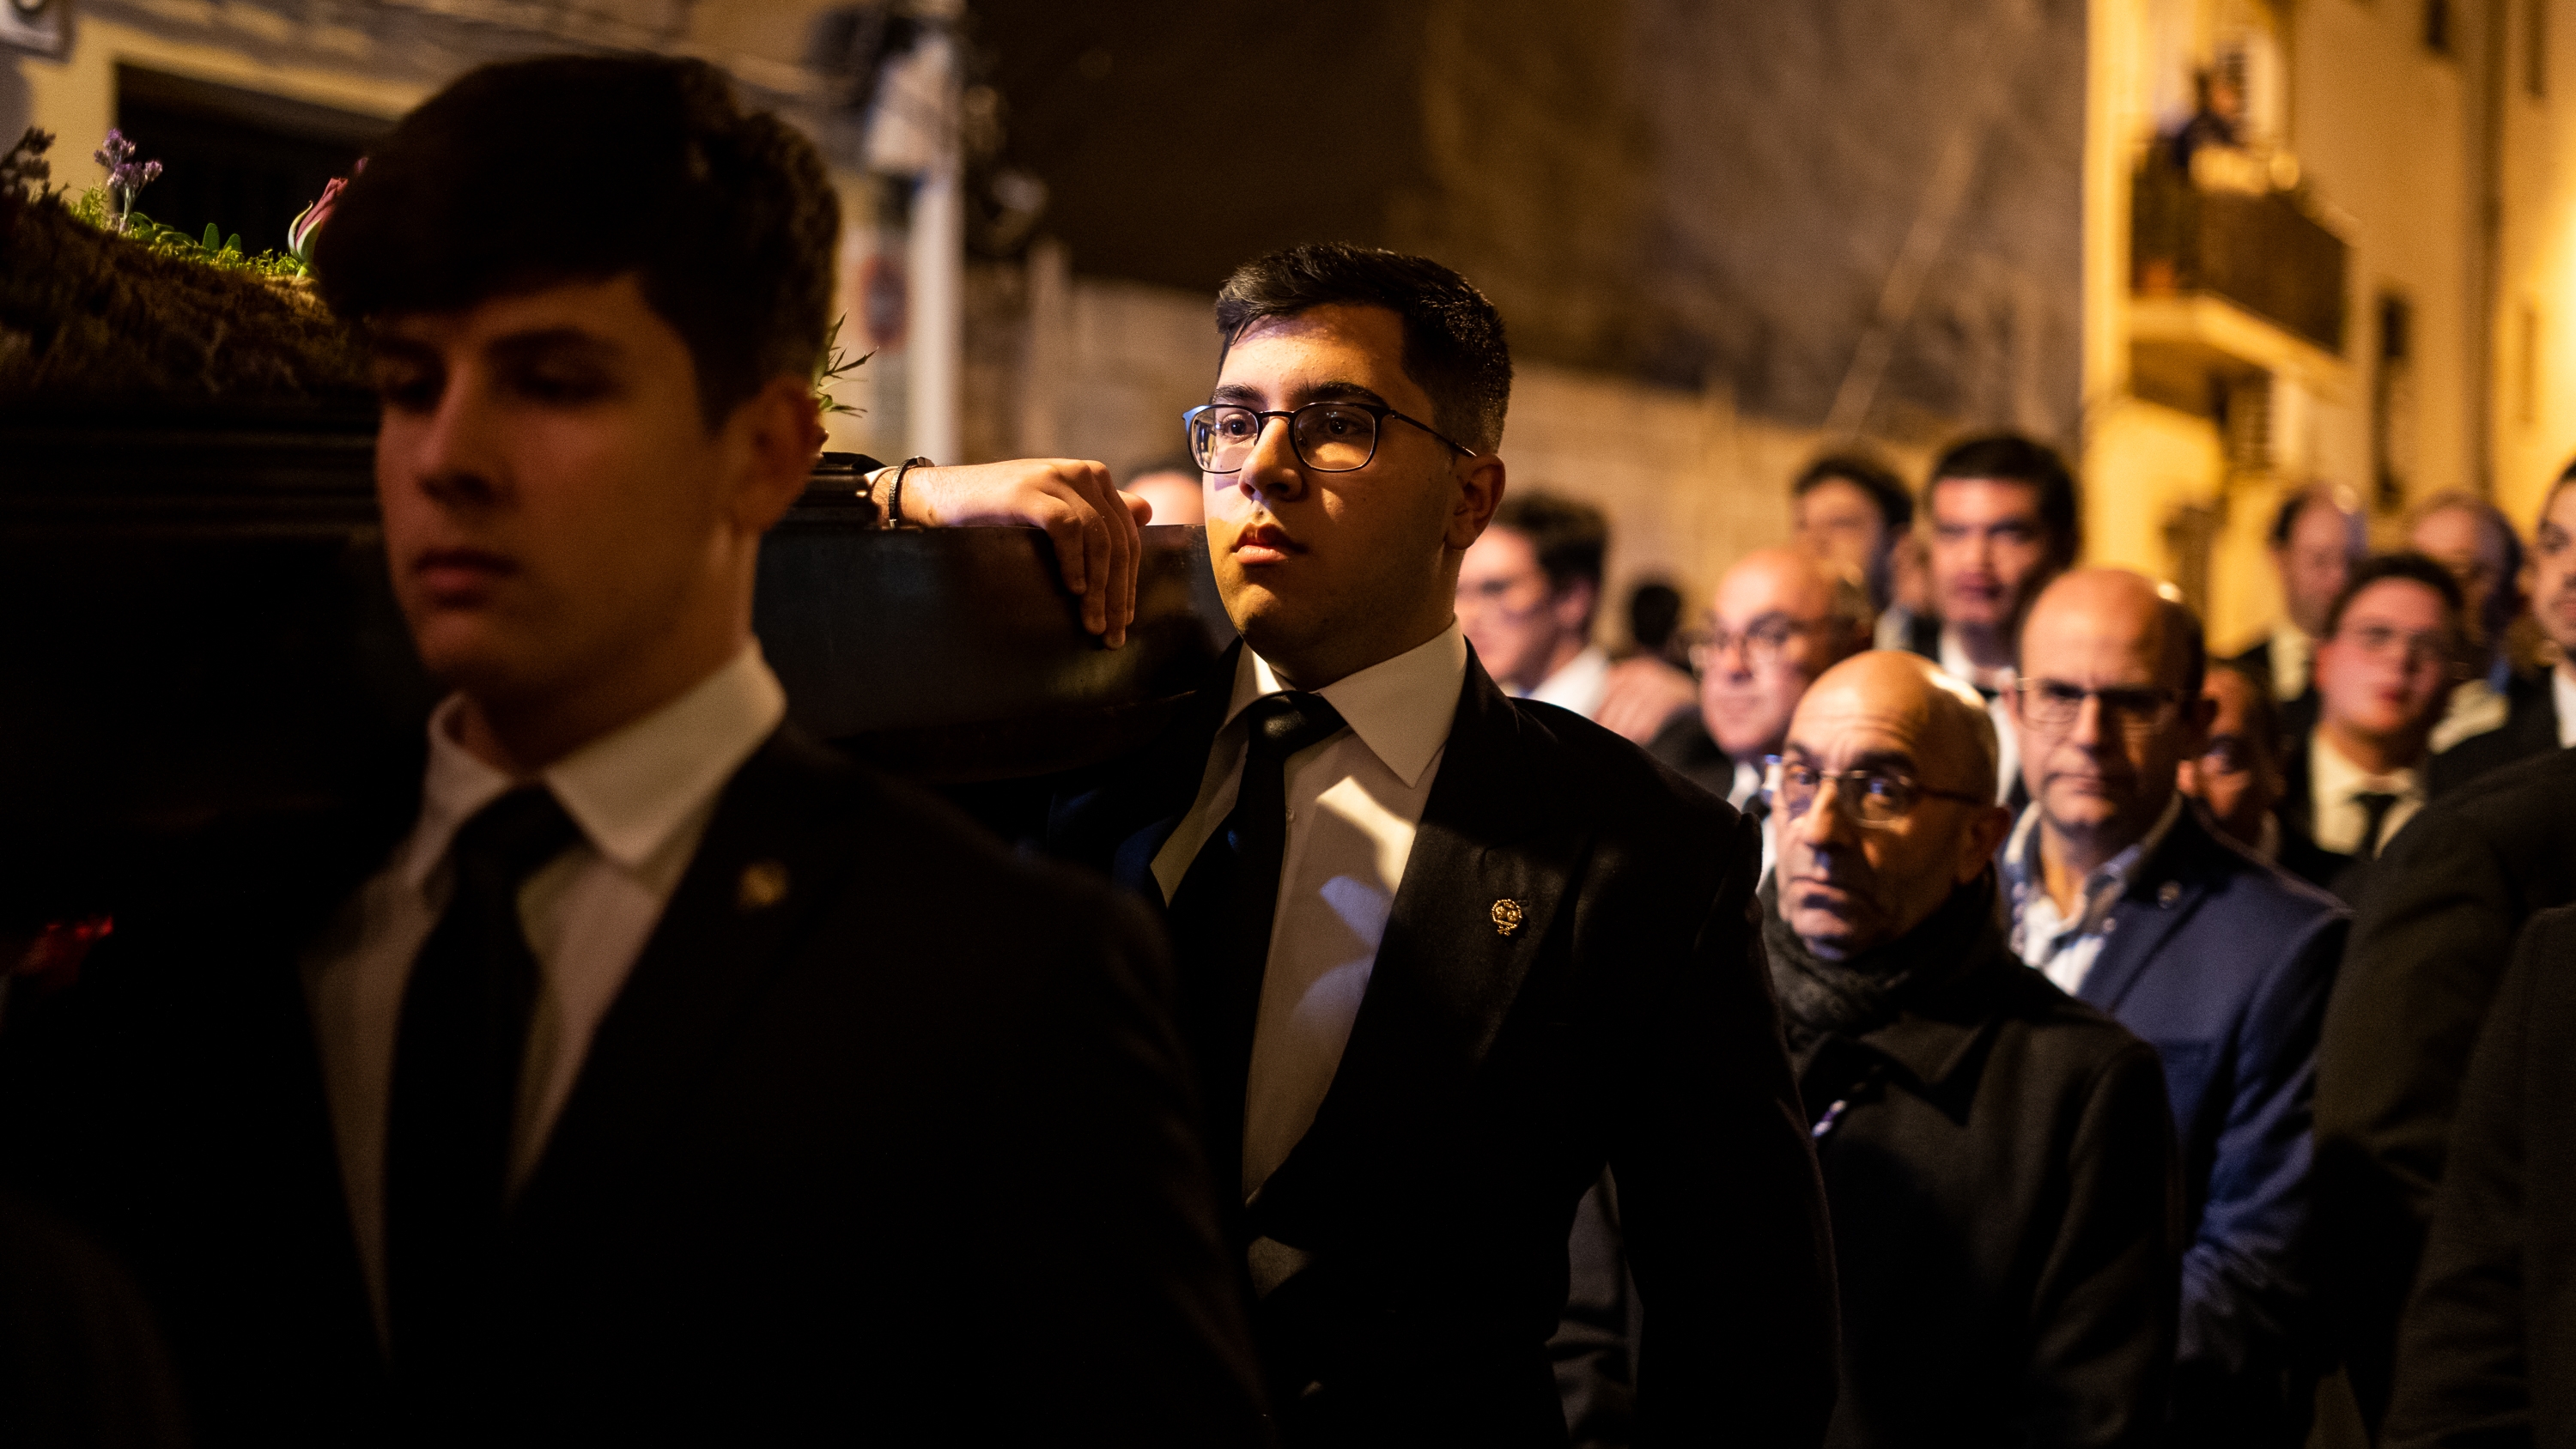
[(2124, 898)]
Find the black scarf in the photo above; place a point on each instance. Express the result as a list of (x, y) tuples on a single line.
[(1864, 992)]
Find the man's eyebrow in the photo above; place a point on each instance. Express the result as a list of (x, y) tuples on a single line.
[(1897, 760), (1243, 395), (392, 347)]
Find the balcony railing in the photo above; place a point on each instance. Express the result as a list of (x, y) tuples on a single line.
[(2261, 252)]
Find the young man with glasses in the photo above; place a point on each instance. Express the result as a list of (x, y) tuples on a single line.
[(1998, 1158), (2124, 899), (1443, 954), (2386, 665)]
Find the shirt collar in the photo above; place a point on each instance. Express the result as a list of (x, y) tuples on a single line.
[(2562, 693), (2334, 779), (1954, 661), (630, 790), (1401, 708), (2023, 868), (2290, 650), (1580, 685)]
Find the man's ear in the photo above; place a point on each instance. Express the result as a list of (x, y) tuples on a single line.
[(1986, 835), (777, 434), (1479, 481)]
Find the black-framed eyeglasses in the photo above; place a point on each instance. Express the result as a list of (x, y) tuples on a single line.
[(1877, 798), (1762, 640), (2422, 647), (2136, 710), (1329, 437)]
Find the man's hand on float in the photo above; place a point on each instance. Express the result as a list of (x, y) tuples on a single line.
[(1093, 525)]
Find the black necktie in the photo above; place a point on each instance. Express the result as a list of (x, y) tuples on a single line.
[(2375, 805), (457, 1054), (1221, 916)]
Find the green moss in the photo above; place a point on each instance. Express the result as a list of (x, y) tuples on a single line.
[(153, 315)]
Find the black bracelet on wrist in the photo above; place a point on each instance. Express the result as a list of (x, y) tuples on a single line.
[(894, 490)]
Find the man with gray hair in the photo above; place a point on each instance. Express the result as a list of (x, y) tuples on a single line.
[(1997, 1157)]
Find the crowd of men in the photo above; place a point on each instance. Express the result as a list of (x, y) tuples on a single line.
[(1935, 1004), (2176, 841)]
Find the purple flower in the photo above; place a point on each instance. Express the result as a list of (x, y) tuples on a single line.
[(300, 232), (124, 174)]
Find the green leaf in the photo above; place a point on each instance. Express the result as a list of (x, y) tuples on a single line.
[(233, 243), (213, 238)]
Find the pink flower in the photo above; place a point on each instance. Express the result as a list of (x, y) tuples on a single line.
[(300, 232)]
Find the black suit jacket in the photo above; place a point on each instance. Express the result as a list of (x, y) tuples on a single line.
[(2488, 1354), (901, 1157), (2430, 940), (2224, 965), (2298, 714), (1488, 1077), (2008, 1220), (2531, 728)]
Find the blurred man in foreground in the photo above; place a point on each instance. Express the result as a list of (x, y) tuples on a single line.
[(1998, 1158), (2005, 520), (2317, 537), (2385, 668), (2488, 1351), (640, 1071), (2123, 899), (1781, 618), (1527, 594), (2543, 708)]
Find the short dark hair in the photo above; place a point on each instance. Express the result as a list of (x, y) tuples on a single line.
[(2549, 495), (2012, 458), (2497, 527), (1453, 337), (531, 173), (1895, 505), (1570, 538), (2412, 567)]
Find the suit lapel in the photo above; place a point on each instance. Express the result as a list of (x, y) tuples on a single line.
[(2166, 890), (764, 868), (1447, 972), (1116, 819)]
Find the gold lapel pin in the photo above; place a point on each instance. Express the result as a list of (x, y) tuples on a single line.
[(763, 884), (1507, 916)]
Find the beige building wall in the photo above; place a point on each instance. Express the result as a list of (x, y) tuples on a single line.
[(2385, 136), (2535, 411)]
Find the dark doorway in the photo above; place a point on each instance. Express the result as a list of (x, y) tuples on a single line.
[(245, 161)]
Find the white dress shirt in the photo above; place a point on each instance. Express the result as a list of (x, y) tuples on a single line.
[(2476, 707), (1354, 802), (1580, 684), (2562, 692), (2064, 945), (1994, 684), (2336, 821), (2292, 656), (642, 797)]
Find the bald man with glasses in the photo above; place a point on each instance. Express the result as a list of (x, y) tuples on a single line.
[(2127, 901), (1998, 1159)]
